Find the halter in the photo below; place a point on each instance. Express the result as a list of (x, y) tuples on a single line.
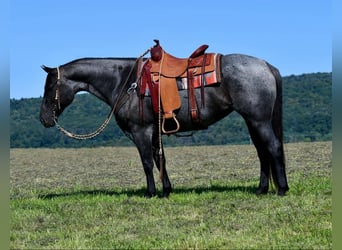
[(105, 123), (57, 95)]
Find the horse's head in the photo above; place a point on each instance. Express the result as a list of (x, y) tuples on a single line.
[(58, 94)]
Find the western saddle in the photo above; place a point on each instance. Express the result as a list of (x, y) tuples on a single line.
[(160, 74)]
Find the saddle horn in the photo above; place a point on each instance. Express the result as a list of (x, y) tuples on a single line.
[(156, 41), (156, 51)]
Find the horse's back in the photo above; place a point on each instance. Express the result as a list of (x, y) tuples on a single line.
[(244, 67)]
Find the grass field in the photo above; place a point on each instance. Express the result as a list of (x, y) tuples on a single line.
[(93, 199)]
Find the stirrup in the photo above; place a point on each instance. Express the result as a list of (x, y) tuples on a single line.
[(170, 131)]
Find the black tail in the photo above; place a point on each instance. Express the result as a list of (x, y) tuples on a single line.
[(277, 119), (277, 116)]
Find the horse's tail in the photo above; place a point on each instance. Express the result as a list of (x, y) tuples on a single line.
[(277, 116)]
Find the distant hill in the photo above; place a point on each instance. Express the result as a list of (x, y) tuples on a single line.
[(307, 116)]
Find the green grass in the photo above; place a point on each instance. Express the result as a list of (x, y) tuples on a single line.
[(59, 200)]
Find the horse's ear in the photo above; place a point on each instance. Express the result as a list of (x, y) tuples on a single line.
[(47, 69)]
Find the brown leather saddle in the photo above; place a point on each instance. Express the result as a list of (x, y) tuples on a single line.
[(171, 66), (164, 69)]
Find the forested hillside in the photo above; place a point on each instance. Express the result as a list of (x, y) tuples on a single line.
[(307, 116)]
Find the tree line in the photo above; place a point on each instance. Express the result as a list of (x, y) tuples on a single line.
[(307, 116)]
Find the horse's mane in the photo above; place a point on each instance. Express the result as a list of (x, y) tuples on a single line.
[(87, 59)]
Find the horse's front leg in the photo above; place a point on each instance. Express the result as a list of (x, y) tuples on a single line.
[(143, 141), (160, 158)]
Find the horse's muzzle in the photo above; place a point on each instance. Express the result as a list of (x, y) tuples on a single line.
[(48, 123)]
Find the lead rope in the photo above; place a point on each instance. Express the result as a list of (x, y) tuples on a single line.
[(161, 165), (86, 136), (105, 123)]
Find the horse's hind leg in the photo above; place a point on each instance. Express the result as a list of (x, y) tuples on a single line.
[(264, 158), (271, 155)]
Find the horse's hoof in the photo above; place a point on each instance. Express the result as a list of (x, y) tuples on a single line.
[(261, 190), (282, 191), (166, 192), (149, 195)]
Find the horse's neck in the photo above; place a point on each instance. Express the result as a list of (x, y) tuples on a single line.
[(102, 77)]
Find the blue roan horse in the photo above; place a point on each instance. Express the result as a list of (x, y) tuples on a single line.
[(249, 86)]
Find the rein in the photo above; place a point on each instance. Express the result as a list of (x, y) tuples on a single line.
[(105, 123)]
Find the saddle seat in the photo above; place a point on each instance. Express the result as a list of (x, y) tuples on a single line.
[(171, 66)]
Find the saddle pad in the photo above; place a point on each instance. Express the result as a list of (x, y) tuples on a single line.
[(209, 79)]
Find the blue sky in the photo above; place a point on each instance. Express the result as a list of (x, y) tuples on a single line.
[(295, 36)]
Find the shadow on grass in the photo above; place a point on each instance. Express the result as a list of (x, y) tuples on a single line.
[(141, 191), (215, 188), (128, 192)]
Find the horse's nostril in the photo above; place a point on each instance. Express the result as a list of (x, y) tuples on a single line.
[(45, 122), (42, 121)]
